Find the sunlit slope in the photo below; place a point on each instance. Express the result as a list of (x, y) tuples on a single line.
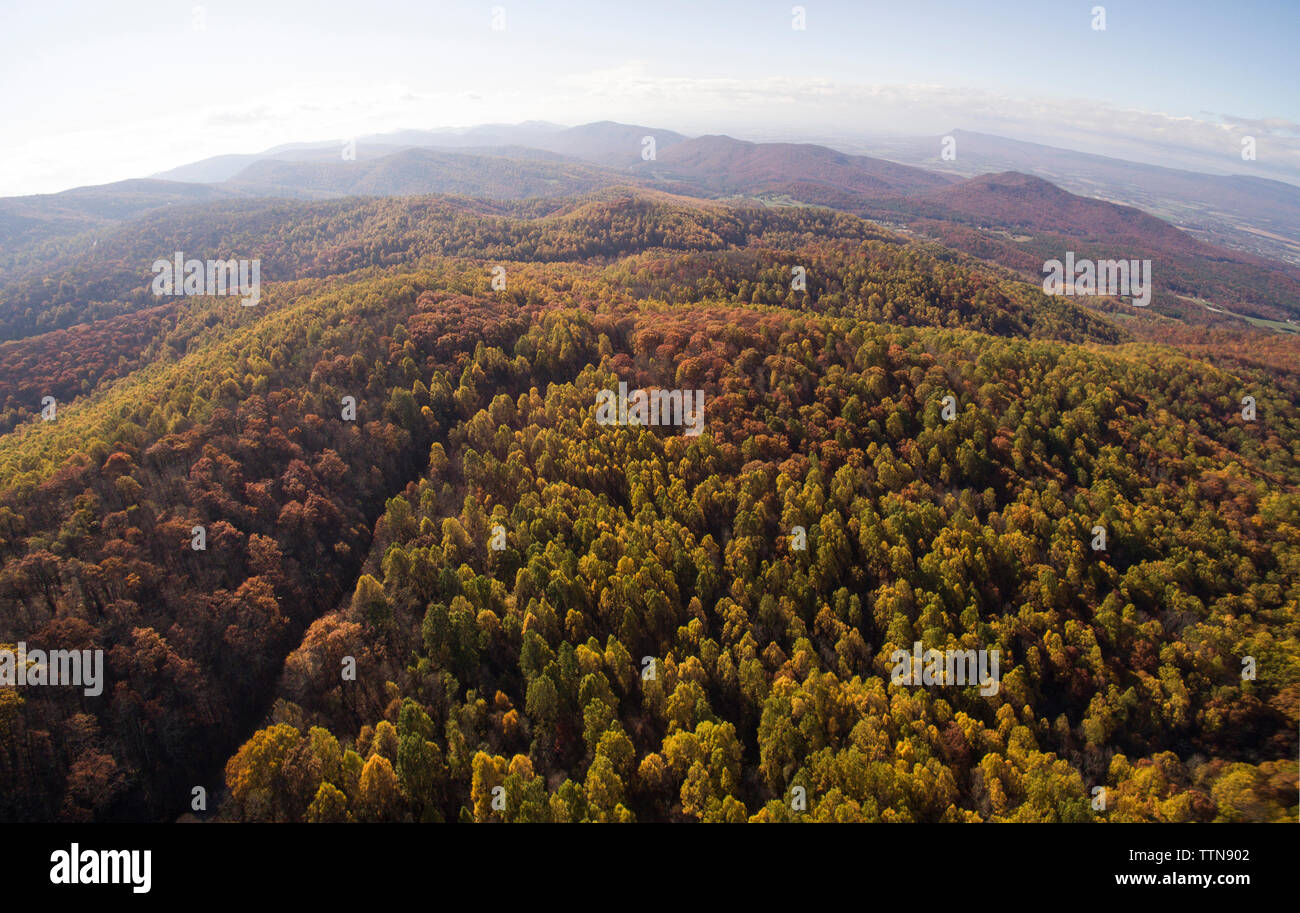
[(328, 536)]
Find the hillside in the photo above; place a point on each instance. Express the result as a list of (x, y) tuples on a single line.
[(642, 640), (816, 174), (605, 143), (421, 171), (1014, 200), (1021, 221), (1010, 218), (106, 295), (31, 219), (1241, 211)]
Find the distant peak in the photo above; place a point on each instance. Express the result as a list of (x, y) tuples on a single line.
[(1017, 180)]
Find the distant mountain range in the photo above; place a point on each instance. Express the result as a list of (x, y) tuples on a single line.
[(1019, 216), (809, 173), (508, 173), (1254, 214), (604, 143)]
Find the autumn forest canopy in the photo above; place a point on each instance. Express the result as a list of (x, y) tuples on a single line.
[(473, 601)]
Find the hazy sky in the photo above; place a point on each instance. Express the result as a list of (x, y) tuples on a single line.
[(99, 91)]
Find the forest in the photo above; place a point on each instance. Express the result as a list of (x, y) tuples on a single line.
[(474, 602)]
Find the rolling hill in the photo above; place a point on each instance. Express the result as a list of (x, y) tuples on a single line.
[(812, 174), (1242, 211), (1015, 219), (32, 219), (1021, 221), (509, 174), (914, 447)]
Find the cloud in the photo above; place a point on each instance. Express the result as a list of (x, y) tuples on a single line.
[(1270, 126)]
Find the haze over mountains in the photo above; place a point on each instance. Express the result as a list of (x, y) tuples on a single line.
[(1016, 209), (510, 173), (1242, 211)]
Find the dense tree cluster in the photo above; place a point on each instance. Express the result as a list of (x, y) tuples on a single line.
[(525, 667), (69, 282), (649, 641)]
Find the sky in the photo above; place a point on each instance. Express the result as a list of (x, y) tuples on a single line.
[(92, 92)]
